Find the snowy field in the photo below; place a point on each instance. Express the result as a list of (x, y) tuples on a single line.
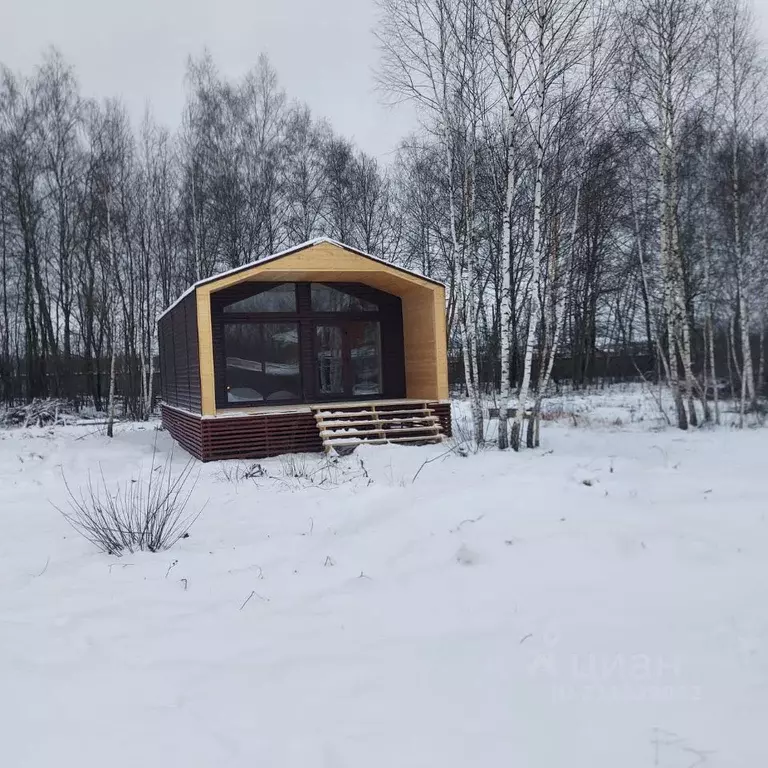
[(601, 602)]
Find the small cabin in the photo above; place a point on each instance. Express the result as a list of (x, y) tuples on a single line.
[(321, 346)]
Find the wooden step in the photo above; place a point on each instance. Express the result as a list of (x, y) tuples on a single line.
[(376, 423), (338, 414), (331, 433), (378, 420), (349, 404), (382, 441)]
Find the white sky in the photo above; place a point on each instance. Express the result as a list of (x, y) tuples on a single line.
[(324, 52)]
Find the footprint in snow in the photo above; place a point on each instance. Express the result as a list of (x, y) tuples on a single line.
[(465, 556)]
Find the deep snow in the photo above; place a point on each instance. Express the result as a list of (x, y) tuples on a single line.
[(599, 602)]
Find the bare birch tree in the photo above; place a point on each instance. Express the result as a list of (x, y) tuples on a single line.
[(552, 35), (432, 55), (666, 38), (743, 77)]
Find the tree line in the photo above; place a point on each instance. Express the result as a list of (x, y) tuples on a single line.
[(592, 174), (588, 177), (103, 225)]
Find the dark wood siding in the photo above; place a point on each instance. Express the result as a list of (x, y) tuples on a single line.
[(256, 436), (165, 348), (179, 356)]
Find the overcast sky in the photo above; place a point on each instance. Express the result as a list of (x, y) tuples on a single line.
[(324, 52)]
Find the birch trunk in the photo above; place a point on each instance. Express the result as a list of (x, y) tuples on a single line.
[(747, 369), (710, 372), (683, 326), (666, 252), (650, 319), (709, 352), (709, 342), (462, 287), (533, 290), (747, 372), (111, 401), (559, 310), (506, 311), (558, 269), (536, 244), (760, 384), (733, 363), (505, 340), (669, 310), (470, 312), (468, 358), (741, 62)]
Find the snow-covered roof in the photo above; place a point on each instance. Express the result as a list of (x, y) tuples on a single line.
[(288, 252)]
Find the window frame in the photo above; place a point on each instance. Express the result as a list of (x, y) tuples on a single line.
[(307, 321), (238, 296), (342, 312), (252, 403)]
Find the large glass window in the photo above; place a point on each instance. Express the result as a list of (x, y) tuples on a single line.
[(329, 345), (328, 299), (262, 362), (365, 358), (281, 298), (292, 342)]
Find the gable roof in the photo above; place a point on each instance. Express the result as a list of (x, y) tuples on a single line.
[(288, 252)]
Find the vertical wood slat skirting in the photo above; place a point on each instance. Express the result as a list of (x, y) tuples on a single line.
[(256, 436)]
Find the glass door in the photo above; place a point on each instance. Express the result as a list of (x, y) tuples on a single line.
[(348, 359), (365, 358), (329, 360)]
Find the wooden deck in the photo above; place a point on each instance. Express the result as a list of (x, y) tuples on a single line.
[(347, 425), (306, 407), (256, 433)]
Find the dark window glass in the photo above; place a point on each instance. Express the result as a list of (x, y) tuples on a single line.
[(281, 298), (330, 363), (327, 299), (365, 358), (262, 362)]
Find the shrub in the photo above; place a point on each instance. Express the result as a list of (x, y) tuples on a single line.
[(147, 513)]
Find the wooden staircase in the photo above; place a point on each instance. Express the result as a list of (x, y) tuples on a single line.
[(344, 426)]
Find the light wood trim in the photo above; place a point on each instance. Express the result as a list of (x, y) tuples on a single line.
[(364, 405), (421, 343), (205, 342), (374, 421), (436, 438), (424, 329), (321, 258), (441, 334), (375, 426)]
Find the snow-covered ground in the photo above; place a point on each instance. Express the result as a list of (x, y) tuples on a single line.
[(601, 602)]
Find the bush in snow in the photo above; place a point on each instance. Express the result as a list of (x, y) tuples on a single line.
[(463, 436), (299, 470), (38, 413), (148, 513)]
